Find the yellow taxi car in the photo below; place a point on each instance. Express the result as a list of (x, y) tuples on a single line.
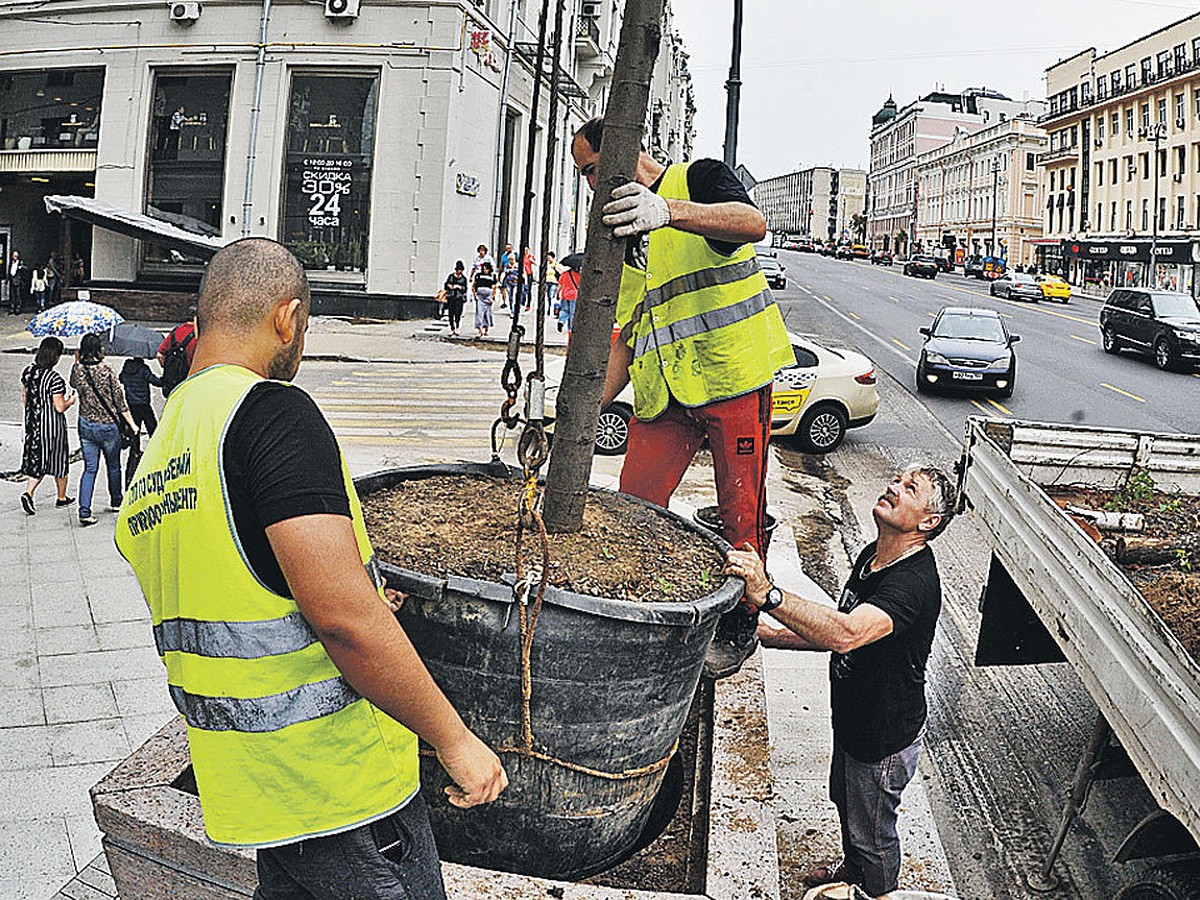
[(1054, 288), (814, 402)]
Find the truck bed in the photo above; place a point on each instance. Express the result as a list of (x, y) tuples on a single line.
[(1139, 674)]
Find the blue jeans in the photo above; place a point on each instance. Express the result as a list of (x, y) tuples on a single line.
[(867, 797), (97, 438), (392, 859)]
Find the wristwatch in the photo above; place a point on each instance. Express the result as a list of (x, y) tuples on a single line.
[(773, 599)]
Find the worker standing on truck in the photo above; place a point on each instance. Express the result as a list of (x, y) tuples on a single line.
[(881, 634), (700, 339), (302, 695)]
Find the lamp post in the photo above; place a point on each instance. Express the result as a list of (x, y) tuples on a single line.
[(1156, 133), (995, 190), (734, 88)]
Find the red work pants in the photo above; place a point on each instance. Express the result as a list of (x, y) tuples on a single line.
[(660, 451)]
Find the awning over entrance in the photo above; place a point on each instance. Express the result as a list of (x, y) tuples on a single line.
[(136, 225)]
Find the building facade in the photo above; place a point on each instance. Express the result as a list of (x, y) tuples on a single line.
[(900, 135), (820, 202), (385, 146), (1122, 169), (979, 183)]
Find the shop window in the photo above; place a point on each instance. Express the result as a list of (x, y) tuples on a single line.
[(185, 175), (50, 109), (331, 142)]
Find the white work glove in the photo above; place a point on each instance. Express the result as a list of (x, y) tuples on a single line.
[(635, 209)]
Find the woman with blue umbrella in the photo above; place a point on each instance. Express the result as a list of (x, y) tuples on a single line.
[(102, 406)]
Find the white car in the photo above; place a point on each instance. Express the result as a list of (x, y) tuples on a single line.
[(815, 401)]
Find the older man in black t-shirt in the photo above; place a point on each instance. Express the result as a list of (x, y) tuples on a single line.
[(881, 634)]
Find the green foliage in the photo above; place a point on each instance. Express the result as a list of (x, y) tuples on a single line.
[(1134, 494), (1183, 560)]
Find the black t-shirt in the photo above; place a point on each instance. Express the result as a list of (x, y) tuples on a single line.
[(280, 461), (878, 690), (709, 181), (484, 280), (456, 285)]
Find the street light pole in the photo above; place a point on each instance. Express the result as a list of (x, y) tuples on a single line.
[(1156, 133), (734, 88), (995, 189)]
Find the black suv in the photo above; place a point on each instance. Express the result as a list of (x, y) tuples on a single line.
[(1165, 324)]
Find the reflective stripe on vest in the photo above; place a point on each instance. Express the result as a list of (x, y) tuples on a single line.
[(282, 746), (702, 326)]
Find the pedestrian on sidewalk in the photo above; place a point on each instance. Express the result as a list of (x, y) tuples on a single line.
[(568, 293), (37, 287), (304, 699), (880, 636), (102, 406), (527, 278), (550, 273), (700, 340), (15, 270), (482, 256), (137, 378), (176, 352), (506, 276), (45, 398), (482, 286), (456, 296)]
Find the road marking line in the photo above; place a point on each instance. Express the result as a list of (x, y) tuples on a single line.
[(894, 299), (830, 299), (1085, 340), (1122, 393), (979, 406), (1001, 407), (854, 315), (894, 341), (876, 338)]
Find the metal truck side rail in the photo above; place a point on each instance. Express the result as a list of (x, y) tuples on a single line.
[(1142, 679)]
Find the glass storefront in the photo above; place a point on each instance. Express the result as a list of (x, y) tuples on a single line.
[(50, 109), (185, 180), (330, 143)]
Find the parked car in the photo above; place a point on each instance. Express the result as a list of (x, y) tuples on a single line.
[(921, 267), (943, 263), (973, 267), (829, 248), (860, 251), (1164, 324), (814, 402), (776, 279), (844, 251), (881, 258), (968, 348), (1016, 286), (1054, 288), (807, 246)]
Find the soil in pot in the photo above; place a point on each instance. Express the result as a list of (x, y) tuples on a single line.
[(467, 525)]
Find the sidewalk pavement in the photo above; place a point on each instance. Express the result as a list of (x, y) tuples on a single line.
[(81, 685)]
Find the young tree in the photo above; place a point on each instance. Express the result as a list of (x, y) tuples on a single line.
[(578, 403)]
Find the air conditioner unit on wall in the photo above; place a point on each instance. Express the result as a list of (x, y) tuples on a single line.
[(590, 9), (342, 9), (184, 13)]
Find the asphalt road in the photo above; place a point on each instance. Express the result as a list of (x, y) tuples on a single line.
[(1063, 374)]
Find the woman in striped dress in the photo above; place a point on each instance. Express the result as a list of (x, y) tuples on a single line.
[(45, 398)]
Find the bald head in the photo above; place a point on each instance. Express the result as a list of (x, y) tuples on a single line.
[(245, 282)]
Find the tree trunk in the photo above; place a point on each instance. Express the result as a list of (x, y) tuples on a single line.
[(578, 403), (1133, 550)]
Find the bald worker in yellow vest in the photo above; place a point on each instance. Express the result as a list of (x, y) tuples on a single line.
[(302, 695), (701, 339)]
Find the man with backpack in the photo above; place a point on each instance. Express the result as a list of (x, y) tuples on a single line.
[(175, 354)]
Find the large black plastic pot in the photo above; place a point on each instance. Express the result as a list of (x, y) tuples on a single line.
[(612, 684)]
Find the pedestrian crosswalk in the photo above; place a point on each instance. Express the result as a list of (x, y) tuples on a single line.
[(409, 413)]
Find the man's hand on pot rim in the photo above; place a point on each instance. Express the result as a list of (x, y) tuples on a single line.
[(748, 565)]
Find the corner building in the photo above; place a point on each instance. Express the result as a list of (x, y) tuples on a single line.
[(389, 143)]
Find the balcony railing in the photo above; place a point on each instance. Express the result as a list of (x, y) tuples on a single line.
[(1051, 156), (587, 34)]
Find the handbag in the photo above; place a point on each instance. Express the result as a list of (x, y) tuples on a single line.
[(440, 296)]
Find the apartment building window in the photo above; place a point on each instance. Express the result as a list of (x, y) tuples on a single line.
[(1162, 213), (1129, 120), (1112, 171), (1116, 123), (1197, 217), (1099, 174), (1101, 87), (1100, 127), (1144, 159), (1163, 63), (1162, 109), (1099, 216), (1129, 215), (1196, 101), (1085, 92), (1145, 115), (1130, 77), (1145, 215), (1052, 179), (1162, 163), (1180, 108), (1147, 70), (1116, 82), (1181, 159), (1074, 136), (1130, 168), (1030, 162), (1112, 219), (1180, 57), (1180, 204), (1196, 52)]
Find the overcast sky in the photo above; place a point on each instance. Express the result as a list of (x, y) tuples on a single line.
[(813, 73)]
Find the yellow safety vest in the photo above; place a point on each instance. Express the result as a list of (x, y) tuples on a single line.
[(282, 746), (703, 326)]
